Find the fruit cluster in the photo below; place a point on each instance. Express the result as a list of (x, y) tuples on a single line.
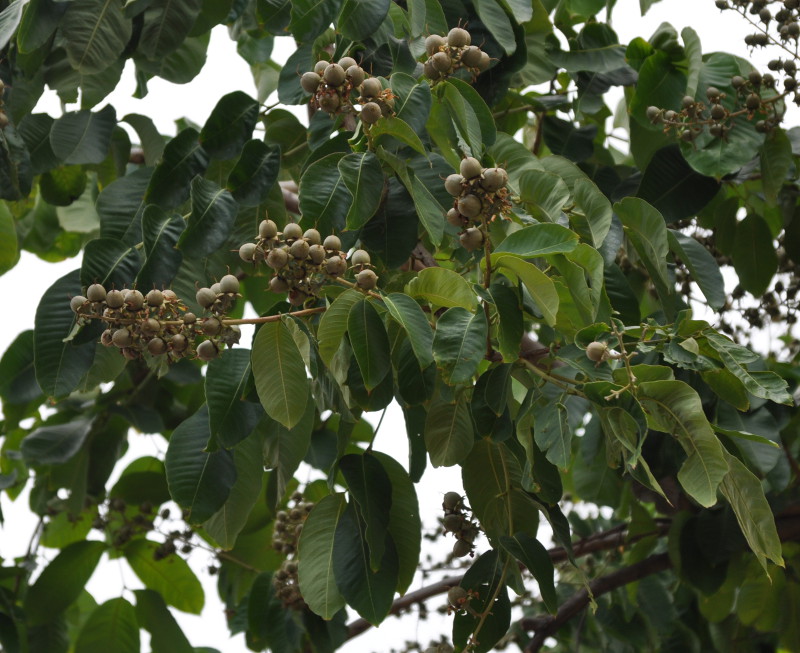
[(481, 195), (457, 522), (448, 54), (331, 84), (159, 323), (302, 261), (375, 101), (288, 526)]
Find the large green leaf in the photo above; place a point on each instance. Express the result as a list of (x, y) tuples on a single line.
[(552, 433), (324, 198), (362, 176), (703, 267), (538, 284), (179, 67), (593, 219), (333, 324), (166, 24), (429, 211), (674, 407), (459, 344), (269, 624), (539, 240), (776, 160), (230, 125), (62, 581), (199, 481), (311, 17), (285, 448), (494, 17), (59, 365), (448, 431), (211, 220), (183, 159), (153, 615), (370, 342), (413, 102), (109, 262), (9, 21), (360, 19), (754, 257), (95, 33), (120, 206), (443, 287), (150, 139), (56, 444), (426, 17), (280, 374), (112, 626), (254, 173), (9, 247), (231, 418), (389, 126), (80, 137), (161, 231), (315, 571), (17, 373), (410, 316), (530, 552)]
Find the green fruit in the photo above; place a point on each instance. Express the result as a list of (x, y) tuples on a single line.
[(471, 57), (115, 299), (76, 302), (451, 501), (310, 82), (471, 239), (320, 66), (189, 318), (95, 293), (332, 243), (596, 351), (334, 74), (206, 297), (277, 258), (215, 288), (470, 206), (360, 257), (356, 75), (335, 266), (151, 326), (470, 168), (371, 87), (207, 351), (329, 103), (267, 229), (453, 522), (317, 254), (453, 184), (456, 596), (297, 297), (484, 63), (155, 298), (178, 342), (455, 218), (430, 71), (442, 62), (157, 346), (122, 338), (299, 249), (134, 300), (458, 37), (433, 43), (370, 113), (312, 237), (247, 252), (292, 230), (461, 548), (229, 284), (212, 326), (107, 338), (494, 179), (276, 284), (366, 279)]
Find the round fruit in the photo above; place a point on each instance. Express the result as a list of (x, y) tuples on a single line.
[(430, 71), (155, 298), (276, 284), (356, 75), (207, 351), (442, 62), (329, 103), (320, 66), (277, 258), (458, 37), (433, 43), (299, 249), (366, 279), (371, 87), (451, 501), (178, 342), (115, 299), (229, 284), (370, 113), (122, 338), (130, 354), (470, 167), (453, 184), (107, 338), (310, 82), (267, 229), (335, 266), (292, 230), (596, 351), (332, 243), (212, 326), (206, 297), (134, 300), (189, 318), (317, 254), (470, 206), (360, 257), (297, 297), (471, 56), (151, 326), (453, 522), (95, 293), (461, 548), (456, 596), (215, 288), (454, 218), (753, 101), (484, 63), (334, 74), (471, 239), (494, 179), (717, 112), (247, 252), (76, 302), (653, 114), (312, 237), (346, 62), (157, 346)]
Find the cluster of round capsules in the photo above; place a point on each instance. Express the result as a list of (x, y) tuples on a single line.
[(288, 526), (447, 54), (331, 84), (457, 522)]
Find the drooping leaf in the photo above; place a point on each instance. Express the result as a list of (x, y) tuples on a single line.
[(539, 240), (9, 247), (17, 373), (333, 324), (359, 19), (231, 418), (109, 262), (16, 175), (254, 173), (443, 287), (362, 176), (166, 24), (153, 615), (530, 552), (95, 33), (754, 257), (704, 269), (369, 342), (112, 626), (538, 284), (324, 198), (553, 434), (80, 137), (448, 431), (161, 231), (494, 17), (310, 18), (410, 316), (54, 445), (150, 139), (211, 220), (183, 159), (229, 126), (459, 344)]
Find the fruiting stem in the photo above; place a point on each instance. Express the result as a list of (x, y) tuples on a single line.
[(350, 284), (500, 585), (544, 375), (275, 318)]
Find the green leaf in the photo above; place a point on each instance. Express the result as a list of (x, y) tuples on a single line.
[(459, 344), (538, 284), (674, 407), (660, 83), (476, 108), (443, 287), (9, 247), (497, 22), (426, 17), (153, 615), (109, 262), (9, 21), (80, 216), (776, 160), (448, 431), (280, 374), (311, 17), (593, 221), (170, 576), (369, 342), (285, 448), (324, 198), (230, 125), (360, 19), (368, 593), (17, 374), (199, 482), (144, 479), (166, 24), (269, 624), (213, 214), (539, 240), (59, 365), (413, 104), (112, 626), (362, 176), (399, 129), (754, 257), (150, 139), (161, 231), (544, 194), (703, 267), (81, 137), (62, 581), (56, 444), (183, 159), (254, 173), (430, 212), (120, 204), (179, 67), (315, 569), (333, 324), (230, 417), (15, 166), (95, 33), (530, 552), (62, 185), (752, 437), (553, 434), (410, 316)]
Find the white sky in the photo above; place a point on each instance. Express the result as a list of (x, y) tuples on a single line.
[(226, 72)]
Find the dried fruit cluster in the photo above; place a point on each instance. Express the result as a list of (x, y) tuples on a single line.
[(302, 261), (288, 526), (159, 323), (448, 54), (457, 522), (331, 84), (481, 195)]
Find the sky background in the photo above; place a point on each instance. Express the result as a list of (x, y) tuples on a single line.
[(226, 72)]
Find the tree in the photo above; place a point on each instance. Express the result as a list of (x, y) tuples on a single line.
[(443, 235)]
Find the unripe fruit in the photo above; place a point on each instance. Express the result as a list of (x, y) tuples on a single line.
[(453, 184), (229, 284), (717, 112), (178, 342), (494, 179), (207, 351), (106, 338), (335, 266), (134, 300), (155, 298), (312, 237), (366, 279), (442, 62), (470, 206), (752, 102), (157, 346), (430, 71), (334, 74), (371, 87), (456, 596), (276, 284), (317, 254), (115, 299), (297, 297), (370, 113), (433, 43), (320, 66), (653, 114), (130, 354), (247, 252), (451, 501), (329, 103), (356, 75), (360, 257), (471, 239), (150, 326), (292, 230), (277, 258), (299, 249), (453, 522), (95, 293), (461, 548), (215, 288), (332, 243), (76, 302), (346, 62), (596, 351), (470, 167), (454, 218), (267, 229), (484, 63), (471, 56), (458, 37), (205, 297), (122, 338), (189, 318), (212, 326), (310, 82)]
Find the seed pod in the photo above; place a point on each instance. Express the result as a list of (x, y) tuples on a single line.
[(717, 112), (335, 266), (442, 62), (737, 81), (150, 326), (456, 596), (297, 297), (371, 87), (484, 62), (458, 38), (312, 237), (454, 218), (155, 298), (597, 351), (360, 257), (461, 548), (346, 62), (277, 258), (334, 74), (332, 243), (310, 82), (267, 229), (178, 342), (470, 206), (471, 239), (470, 168), (157, 346), (453, 184), (216, 288), (494, 179), (115, 299), (430, 71), (356, 75), (329, 103), (453, 522), (653, 114), (247, 252), (212, 326), (451, 501), (206, 297), (320, 66), (753, 101), (106, 338), (276, 284), (299, 249), (370, 113), (189, 318), (366, 279), (134, 300), (95, 293), (129, 353), (317, 254), (471, 56), (207, 350), (122, 338), (229, 284), (292, 230), (433, 43), (76, 302)]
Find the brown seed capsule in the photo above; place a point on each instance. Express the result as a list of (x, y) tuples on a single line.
[(267, 229), (461, 548), (454, 218), (310, 82), (484, 63), (346, 62), (335, 266), (597, 351), (134, 300), (312, 237), (494, 179), (470, 206), (247, 252), (471, 57), (206, 297), (366, 279), (456, 596), (212, 326), (150, 326), (451, 500), (106, 338), (297, 297), (442, 62), (154, 298), (316, 253), (292, 230), (77, 302), (370, 113), (371, 87), (470, 168), (229, 284), (360, 257), (215, 288), (334, 74), (430, 71), (115, 299), (276, 284), (157, 346), (277, 258), (433, 43), (453, 522), (453, 184), (299, 249), (207, 350), (458, 37), (95, 293), (471, 239), (122, 338), (329, 103), (320, 66), (356, 75), (332, 243), (178, 342), (189, 318)]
